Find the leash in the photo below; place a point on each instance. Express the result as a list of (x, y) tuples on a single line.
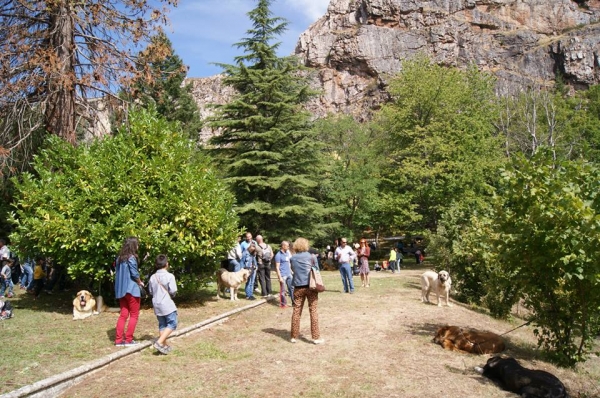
[(512, 330)]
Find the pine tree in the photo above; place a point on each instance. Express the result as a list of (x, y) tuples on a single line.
[(266, 147), (57, 57), (162, 87)]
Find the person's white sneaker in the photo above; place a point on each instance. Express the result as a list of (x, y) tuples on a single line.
[(292, 340), (318, 341)]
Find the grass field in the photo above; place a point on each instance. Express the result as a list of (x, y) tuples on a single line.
[(378, 344)]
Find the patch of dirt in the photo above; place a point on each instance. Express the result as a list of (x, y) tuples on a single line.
[(378, 343)]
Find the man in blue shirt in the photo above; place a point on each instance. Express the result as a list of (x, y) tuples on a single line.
[(284, 273)]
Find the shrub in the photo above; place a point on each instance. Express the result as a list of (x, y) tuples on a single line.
[(549, 248), (150, 182)]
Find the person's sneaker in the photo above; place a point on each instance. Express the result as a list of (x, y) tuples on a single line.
[(119, 343), (161, 348), (131, 343), (251, 298), (318, 341), (48, 292), (168, 348), (292, 340)]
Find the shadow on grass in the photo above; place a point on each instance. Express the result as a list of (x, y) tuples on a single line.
[(111, 335), (60, 302), (425, 329), (284, 334)]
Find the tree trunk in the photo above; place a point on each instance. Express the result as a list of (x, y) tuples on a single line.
[(60, 106)]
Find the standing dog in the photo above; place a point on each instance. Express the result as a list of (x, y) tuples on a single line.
[(526, 382), (231, 280), (440, 282), (84, 305)]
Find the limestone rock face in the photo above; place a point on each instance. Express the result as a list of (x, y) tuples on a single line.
[(207, 91), (358, 45)]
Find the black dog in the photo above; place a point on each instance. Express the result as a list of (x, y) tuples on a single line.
[(528, 383)]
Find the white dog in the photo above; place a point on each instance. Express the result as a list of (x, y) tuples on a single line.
[(84, 305), (439, 282), (232, 280)]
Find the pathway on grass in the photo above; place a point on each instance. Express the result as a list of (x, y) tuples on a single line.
[(377, 344)]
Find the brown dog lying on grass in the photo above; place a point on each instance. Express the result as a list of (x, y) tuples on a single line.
[(473, 341)]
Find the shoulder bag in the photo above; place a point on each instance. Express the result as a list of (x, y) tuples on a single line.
[(315, 280)]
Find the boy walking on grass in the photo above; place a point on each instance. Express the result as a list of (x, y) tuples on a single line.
[(162, 287)]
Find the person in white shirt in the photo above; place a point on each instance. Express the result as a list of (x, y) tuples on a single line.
[(162, 287), (344, 255), (4, 251)]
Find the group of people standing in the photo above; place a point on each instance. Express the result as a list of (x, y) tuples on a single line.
[(255, 256), (32, 274), (293, 263), (345, 255)]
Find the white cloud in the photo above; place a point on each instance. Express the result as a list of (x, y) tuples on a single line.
[(312, 9)]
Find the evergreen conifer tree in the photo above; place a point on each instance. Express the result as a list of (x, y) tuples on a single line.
[(161, 85), (266, 148)]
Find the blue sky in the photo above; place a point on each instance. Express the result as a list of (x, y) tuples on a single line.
[(203, 31)]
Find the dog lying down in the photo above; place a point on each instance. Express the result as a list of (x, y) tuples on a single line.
[(472, 341), (231, 280), (84, 305), (528, 383)]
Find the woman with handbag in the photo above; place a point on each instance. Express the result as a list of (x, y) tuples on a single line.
[(128, 286), (302, 262)]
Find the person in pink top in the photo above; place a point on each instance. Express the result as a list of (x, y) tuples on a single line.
[(363, 262)]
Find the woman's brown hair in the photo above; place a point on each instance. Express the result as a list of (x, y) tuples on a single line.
[(300, 245)]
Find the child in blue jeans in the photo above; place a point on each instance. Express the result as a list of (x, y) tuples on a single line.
[(162, 287), (6, 275)]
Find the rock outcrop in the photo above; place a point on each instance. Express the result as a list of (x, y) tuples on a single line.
[(359, 44)]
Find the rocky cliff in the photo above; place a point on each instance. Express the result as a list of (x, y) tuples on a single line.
[(358, 44)]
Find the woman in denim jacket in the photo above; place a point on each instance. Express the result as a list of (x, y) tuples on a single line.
[(302, 261), (127, 291), (249, 262)]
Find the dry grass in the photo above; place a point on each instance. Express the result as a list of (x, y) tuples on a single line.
[(378, 344)]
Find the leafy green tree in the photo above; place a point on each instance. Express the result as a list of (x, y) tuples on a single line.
[(443, 147), (151, 182), (548, 220), (161, 85), (590, 122), (538, 116), (350, 190), (266, 147)]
